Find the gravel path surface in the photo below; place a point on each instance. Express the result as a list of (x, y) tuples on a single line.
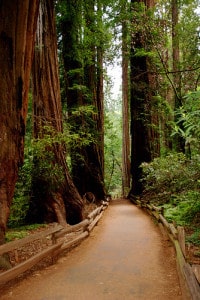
[(125, 257)]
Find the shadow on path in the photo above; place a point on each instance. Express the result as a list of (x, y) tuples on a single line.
[(125, 257)]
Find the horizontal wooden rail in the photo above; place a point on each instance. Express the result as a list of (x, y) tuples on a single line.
[(82, 225), (75, 241), (27, 265), (60, 239), (188, 274), (29, 239), (94, 222)]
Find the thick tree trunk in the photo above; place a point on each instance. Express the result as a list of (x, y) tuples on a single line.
[(125, 112), (84, 86), (55, 199), (179, 142), (70, 25), (94, 152), (140, 119), (141, 116), (100, 92), (17, 29)]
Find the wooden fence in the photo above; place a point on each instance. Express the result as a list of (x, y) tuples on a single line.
[(49, 243), (189, 274)]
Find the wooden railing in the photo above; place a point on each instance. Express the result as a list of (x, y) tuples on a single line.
[(189, 274), (50, 243)]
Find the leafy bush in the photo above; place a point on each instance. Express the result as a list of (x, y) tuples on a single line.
[(162, 176), (174, 182), (188, 123), (194, 238), (184, 209), (40, 161), (22, 231), (20, 202)]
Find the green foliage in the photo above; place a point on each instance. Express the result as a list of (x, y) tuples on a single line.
[(163, 175), (143, 53), (80, 128), (40, 161), (78, 131), (22, 231), (194, 238), (188, 121), (174, 182), (46, 167), (184, 208), (113, 134), (20, 202)]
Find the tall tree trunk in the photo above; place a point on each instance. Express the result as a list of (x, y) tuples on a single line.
[(71, 30), (179, 143), (55, 197), (84, 87), (17, 30), (100, 92), (93, 154), (141, 118), (125, 111)]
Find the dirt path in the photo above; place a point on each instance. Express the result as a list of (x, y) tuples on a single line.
[(124, 258)]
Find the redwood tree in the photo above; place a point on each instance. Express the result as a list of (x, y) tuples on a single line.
[(125, 106), (55, 197), (94, 164), (83, 61), (179, 143), (141, 96), (17, 31)]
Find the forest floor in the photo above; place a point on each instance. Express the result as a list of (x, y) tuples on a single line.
[(125, 257)]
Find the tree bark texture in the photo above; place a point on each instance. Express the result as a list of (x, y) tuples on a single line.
[(84, 86), (125, 111), (17, 31), (62, 201), (100, 90), (141, 109), (93, 81), (140, 119), (179, 142)]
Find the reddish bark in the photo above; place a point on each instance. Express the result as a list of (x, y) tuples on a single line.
[(142, 114), (17, 30), (125, 113), (52, 203)]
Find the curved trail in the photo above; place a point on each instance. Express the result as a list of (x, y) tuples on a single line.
[(125, 257)]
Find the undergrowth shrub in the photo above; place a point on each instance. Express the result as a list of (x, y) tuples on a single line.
[(184, 209), (20, 204), (174, 182)]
